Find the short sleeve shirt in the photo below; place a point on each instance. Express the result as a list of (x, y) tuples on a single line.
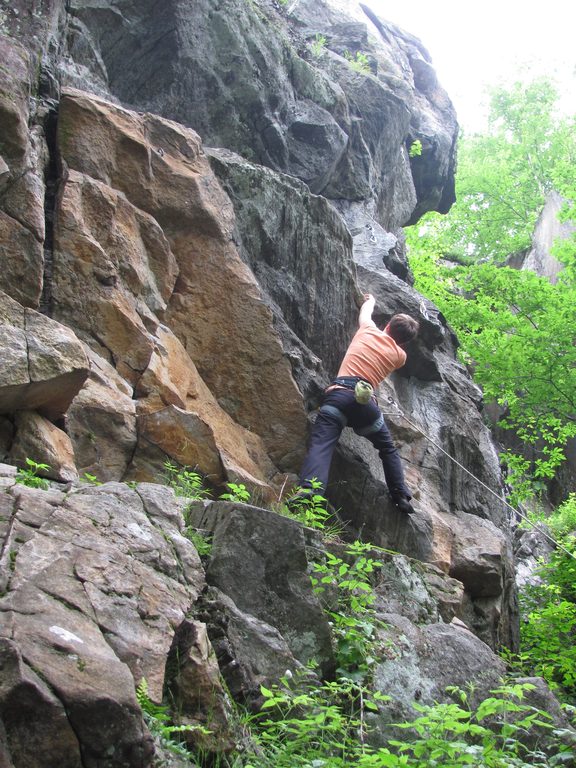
[(372, 354)]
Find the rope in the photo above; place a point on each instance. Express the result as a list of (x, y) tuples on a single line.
[(516, 511)]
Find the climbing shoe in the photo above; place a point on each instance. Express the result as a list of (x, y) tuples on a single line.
[(404, 505)]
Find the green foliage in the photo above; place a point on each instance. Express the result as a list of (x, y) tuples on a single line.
[(548, 629), (302, 723), (563, 522), (91, 479), (452, 734), (505, 174), (354, 623), (308, 506), (415, 148), (359, 62), (236, 492), (517, 331), (325, 726), (157, 718), (185, 481), (318, 46), (201, 540), (29, 475)]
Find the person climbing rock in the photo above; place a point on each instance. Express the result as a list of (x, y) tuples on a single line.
[(349, 401)]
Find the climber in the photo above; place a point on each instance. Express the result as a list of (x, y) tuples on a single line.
[(349, 401)]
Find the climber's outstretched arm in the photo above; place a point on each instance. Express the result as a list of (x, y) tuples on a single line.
[(365, 317)]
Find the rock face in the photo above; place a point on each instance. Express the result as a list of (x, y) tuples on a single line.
[(548, 229), (95, 584), (44, 364), (102, 588), (539, 259), (193, 198), (251, 80)]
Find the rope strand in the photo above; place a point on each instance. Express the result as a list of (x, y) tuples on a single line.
[(516, 511)]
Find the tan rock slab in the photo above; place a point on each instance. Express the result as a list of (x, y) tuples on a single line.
[(38, 439), (42, 363), (216, 309)]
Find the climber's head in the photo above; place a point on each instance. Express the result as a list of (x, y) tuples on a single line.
[(402, 328)]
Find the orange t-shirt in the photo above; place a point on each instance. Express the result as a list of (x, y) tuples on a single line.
[(372, 354)]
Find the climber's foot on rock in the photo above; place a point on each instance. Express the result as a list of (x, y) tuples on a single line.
[(403, 504)]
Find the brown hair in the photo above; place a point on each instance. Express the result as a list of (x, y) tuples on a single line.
[(402, 328)]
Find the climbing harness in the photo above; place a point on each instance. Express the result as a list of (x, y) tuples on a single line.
[(516, 511)]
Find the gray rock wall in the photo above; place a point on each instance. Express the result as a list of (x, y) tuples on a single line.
[(101, 588), (192, 201)]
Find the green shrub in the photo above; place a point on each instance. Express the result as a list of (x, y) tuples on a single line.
[(548, 628), (185, 481), (353, 619), (157, 718), (359, 62), (563, 521), (326, 726), (302, 723), (236, 492), (29, 475)]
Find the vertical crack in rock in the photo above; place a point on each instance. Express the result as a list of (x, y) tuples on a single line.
[(5, 549), (50, 126)]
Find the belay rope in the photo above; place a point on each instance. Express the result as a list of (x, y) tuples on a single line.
[(516, 511)]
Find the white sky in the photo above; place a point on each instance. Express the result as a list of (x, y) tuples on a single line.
[(473, 44)]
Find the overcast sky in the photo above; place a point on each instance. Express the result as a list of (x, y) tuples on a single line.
[(478, 43)]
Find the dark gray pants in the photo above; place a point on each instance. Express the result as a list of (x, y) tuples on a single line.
[(340, 409)]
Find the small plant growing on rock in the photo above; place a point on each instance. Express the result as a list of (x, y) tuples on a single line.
[(415, 148), (157, 719), (201, 540), (308, 506), (91, 479), (359, 62), (29, 475), (318, 45), (236, 492), (185, 481)]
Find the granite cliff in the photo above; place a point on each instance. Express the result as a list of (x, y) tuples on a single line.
[(192, 198)]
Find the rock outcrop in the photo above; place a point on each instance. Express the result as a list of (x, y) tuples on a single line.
[(193, 197), (548, 230), (102, 588), (539, 259)]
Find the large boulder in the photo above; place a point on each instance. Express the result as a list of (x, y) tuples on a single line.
[(97, 585), (269, 551), (35, 436), (43, 362)]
